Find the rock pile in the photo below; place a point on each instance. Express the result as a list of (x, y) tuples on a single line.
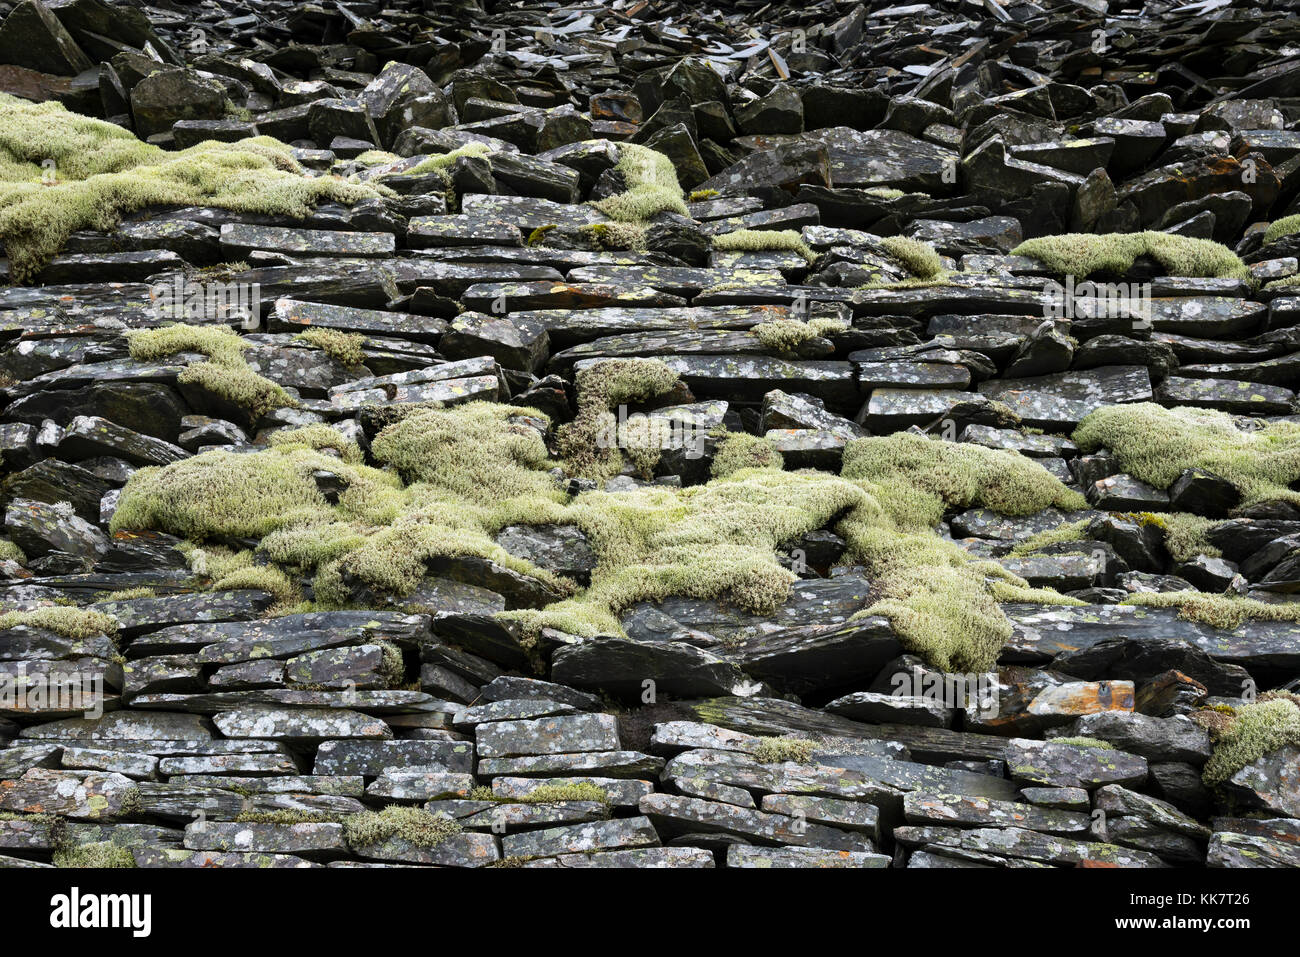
[(629, 435)]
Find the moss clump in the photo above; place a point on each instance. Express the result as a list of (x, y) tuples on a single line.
[(1226, 612), (652, 186), (942, 603), (590, 444), (392, 667), (472, 471), (225, 373), (1185, 534), (782, 749), (553, 793), (319, 437), (127, 594), (1082, 254), (63, 620), (1257, 729), (919, 477), (757, 240), (787, 335), (411, 824), (454, 477), (1289, 282), (97, 855), (265, 578), (919, 257), (700, 195), (1155, 445), (536, 237), (286, 817), (1069, 532), (1083, 742), (440, 163), (226, 495), (740, 450), (103, 171), (707, 541), (10, 552), (376, 158), (1285, 226), (342, 347), (616, 236)]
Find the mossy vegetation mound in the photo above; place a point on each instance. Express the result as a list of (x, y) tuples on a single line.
[(1289, 282), (917, 478), (577, 791), (1286, 226), (1251, 732), (62, 620), (652, 187), (764, 240), (787, 335), (1083, 254), (1084, 742), (225, 373), (942, 602), (342, 347), (782, 749), (319, 437), (451, 479), (60, 172), (591, 443), (717, 540), (443, 161), (1156, 444), (220, 496), (919, 257), (97, 855), (740, 450), (1226, 612), (10, 552), (411, 824)]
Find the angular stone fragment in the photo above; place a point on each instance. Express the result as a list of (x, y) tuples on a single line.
[(581, 838), (560, 735), (299, 724)]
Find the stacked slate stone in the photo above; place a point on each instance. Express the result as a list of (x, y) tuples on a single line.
[(230, 727)]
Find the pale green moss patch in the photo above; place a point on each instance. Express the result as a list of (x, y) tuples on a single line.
[(1226, 612), (652, 186), (1155, 445), (787, 335), (740, 450), (1255, 730), (63, 620), (942, 603), (411, 824), (440, 163), (225, 373), (102, 171), (1084, 742), (100, 854), (1082, 254), (782, 749), (764, 240), (919, 257), (10, 552), (319, 437), (1289, 282), (1286, 226), (342, 347)]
